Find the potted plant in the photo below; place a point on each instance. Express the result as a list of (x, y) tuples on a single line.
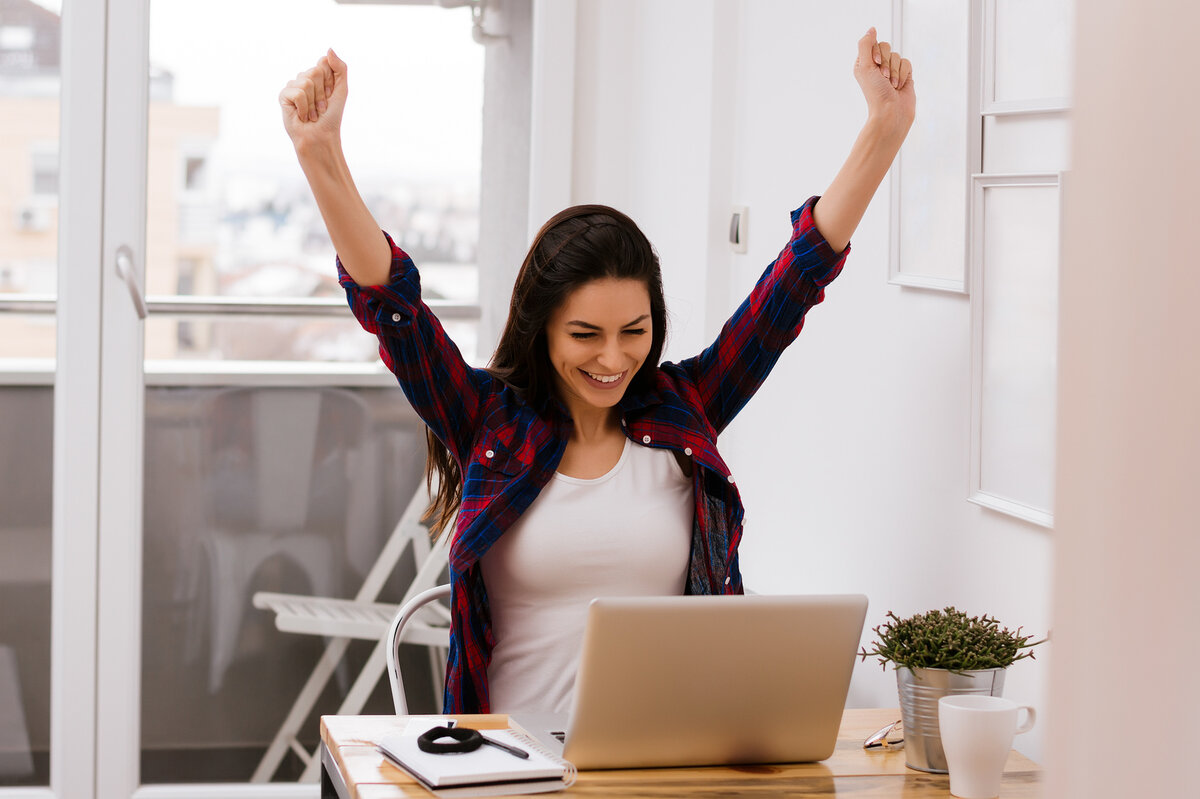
[(938, 653)]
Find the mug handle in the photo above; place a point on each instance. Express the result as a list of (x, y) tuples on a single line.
[(1030, 718)]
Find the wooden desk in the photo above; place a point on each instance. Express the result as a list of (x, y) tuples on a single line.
[(352, 769)]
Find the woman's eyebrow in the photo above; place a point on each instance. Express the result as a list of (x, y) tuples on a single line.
[(590, 326)]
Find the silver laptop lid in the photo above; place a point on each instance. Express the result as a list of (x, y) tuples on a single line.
[(705, 680)]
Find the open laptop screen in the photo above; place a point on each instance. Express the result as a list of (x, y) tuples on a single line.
[(679, 681)]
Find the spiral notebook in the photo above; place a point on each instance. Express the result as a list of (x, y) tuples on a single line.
[(486, 771)]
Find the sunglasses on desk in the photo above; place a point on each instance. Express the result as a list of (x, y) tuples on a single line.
[(889, 737)]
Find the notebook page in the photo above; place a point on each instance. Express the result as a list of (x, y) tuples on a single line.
[(485, 764)]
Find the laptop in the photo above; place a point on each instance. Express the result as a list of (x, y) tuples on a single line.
[(707, 680)]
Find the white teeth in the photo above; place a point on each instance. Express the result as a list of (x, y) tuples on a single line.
[(604, 378)]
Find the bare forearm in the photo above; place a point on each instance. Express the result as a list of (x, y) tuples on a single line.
[(843, 204), (360, 245)]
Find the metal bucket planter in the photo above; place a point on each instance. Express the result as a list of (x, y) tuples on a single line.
[(920, 690)]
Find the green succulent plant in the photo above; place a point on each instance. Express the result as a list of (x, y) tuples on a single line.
[(948, 639)]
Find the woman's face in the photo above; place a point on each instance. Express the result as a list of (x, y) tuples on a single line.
[(597, 340)]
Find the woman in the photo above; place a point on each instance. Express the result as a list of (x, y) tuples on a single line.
[(579, 466)]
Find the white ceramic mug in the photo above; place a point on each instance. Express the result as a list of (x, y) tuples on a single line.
[(977, 734)]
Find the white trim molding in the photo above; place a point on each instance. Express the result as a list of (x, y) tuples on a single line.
[(951, 123), (1005, 358), (990, 105)]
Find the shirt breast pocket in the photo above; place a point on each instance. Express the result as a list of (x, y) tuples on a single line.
[(492, 468)]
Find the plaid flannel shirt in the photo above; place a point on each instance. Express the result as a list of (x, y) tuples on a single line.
[(509, 450)]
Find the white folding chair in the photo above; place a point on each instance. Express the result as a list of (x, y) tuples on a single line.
[(421, 631), (360, 618)]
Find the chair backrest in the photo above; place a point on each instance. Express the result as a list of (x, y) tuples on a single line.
[(403, 616), (280, 446)]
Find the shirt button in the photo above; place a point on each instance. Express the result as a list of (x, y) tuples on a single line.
[(396, 317), (645, 439), (489, 454), (726, 581), (687, 451), (731, 479)]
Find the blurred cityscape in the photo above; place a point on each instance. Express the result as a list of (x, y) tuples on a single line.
[(209, 231)]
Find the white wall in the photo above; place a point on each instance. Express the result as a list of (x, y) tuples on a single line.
[(645, 136), (853, 460), (506, 163)]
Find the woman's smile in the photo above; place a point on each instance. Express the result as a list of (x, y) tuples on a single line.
[(605, 381)]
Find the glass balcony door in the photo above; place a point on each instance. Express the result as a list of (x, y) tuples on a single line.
[(36, 571), (52, 308), (128, 319), (233, 413)]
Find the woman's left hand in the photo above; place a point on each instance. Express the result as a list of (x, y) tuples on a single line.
[(886, 82)]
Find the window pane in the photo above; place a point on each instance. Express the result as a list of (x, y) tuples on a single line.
[(26, 336), (45, 172), (333, 339), (259, 339), (247, 490), (226, 196), (29, 95), (264, 489), (30, 35), (26, 426)]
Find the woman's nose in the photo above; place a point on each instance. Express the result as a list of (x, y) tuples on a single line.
[(610, 355)]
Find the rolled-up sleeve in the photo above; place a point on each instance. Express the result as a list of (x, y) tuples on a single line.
[(442, 387), (732, 368)]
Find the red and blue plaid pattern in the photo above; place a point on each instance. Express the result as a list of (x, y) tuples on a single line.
[(508, 450)]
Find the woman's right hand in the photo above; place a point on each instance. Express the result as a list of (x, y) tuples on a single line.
[(312, 104)]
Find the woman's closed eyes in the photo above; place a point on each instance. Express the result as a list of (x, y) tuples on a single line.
[(637, 331)]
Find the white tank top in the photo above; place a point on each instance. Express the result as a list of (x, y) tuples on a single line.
[(627, 533)]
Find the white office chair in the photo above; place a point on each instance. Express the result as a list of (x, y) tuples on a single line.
[(364, 618), (420, 631)]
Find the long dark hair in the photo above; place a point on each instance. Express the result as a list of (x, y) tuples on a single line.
[(576, 246)]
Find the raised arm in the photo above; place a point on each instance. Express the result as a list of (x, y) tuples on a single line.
[(312, 115), (382, 284), (886, 82)]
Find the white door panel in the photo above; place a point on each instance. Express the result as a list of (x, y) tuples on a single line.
[(77, 410)]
